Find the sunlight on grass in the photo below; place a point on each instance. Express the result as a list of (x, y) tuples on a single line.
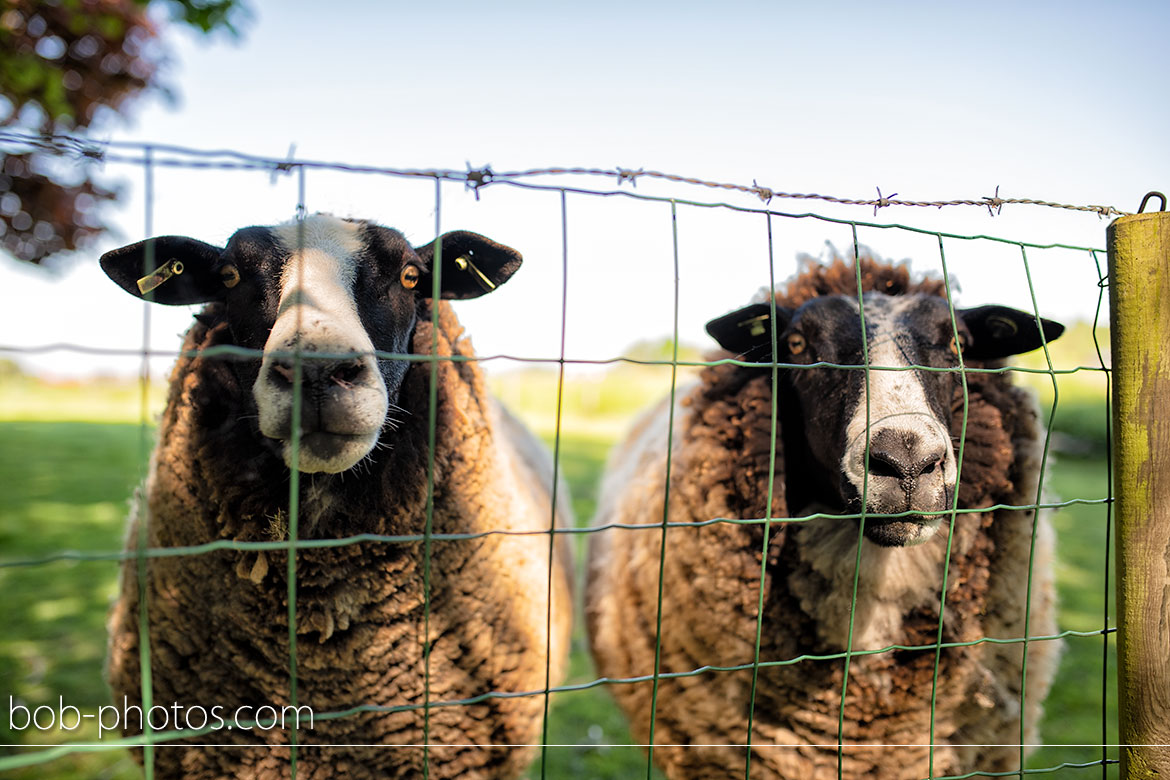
[(99, 400), (599, 406)]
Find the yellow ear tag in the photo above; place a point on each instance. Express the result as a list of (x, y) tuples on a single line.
[(464, 263), (160, 275), (756, 324)]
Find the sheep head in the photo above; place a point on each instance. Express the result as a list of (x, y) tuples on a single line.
[(879, 437), (322, 301)]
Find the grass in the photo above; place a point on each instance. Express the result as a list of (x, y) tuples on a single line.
[(70, 456), (66, 487)]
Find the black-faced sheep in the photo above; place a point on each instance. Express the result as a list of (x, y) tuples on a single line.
[(712, 573), (339, 291)]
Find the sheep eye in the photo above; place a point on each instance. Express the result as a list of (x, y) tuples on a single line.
[(409, 276), (796, 344), (955, 345), (230, 275)]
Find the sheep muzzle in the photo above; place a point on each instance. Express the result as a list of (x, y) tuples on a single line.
[(343, 408)]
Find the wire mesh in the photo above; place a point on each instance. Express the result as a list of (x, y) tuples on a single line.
[(146, 157)]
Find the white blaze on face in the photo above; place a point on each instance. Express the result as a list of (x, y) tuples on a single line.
[(316, 297), (342, 417), (897, 399)]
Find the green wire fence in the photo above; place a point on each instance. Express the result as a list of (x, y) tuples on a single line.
[(149, 158)]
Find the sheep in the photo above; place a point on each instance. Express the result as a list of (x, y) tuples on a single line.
[(339, 291), (711, 571)]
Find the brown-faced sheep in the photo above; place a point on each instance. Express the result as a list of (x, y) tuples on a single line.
[(904, 461), (343, 293)]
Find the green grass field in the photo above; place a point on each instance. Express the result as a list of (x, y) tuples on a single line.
[(71, 455)]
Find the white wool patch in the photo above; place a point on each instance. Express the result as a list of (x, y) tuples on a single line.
[(322, 258), (897, 399), (318, 314), (317, 287), (894, 582)]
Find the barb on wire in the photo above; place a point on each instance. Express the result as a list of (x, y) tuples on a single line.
[(287, 165), (476, 179), (763, 193), (994, 203), (91, 152), (62, 145), (881, 202), (625, 174)]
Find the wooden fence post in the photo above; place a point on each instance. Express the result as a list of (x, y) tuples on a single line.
[(1139, 306)]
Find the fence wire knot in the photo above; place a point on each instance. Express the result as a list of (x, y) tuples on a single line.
[(92, 153), (765, 194), (882, 201), (627, 174), (994, 203), (478, 177), (286, 165)]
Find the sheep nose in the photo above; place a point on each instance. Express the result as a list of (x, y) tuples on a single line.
[(318, 374), (904, 456)]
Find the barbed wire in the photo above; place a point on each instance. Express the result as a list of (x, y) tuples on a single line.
[(479, 178)]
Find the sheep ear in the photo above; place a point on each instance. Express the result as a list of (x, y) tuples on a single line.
[(998, 332), (748, 331), (174, 270), (473, 265)]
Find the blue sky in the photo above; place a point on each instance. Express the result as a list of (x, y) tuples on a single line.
[(932, 101)]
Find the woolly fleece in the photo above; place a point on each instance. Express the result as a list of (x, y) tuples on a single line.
[(218, 621), (712, 580)]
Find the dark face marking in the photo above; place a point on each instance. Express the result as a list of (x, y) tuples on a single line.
[(885, 438), (339, 301), (890, 441), (319, 298)]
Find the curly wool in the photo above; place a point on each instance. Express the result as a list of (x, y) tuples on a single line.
[(218, 620), (712, 579)]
